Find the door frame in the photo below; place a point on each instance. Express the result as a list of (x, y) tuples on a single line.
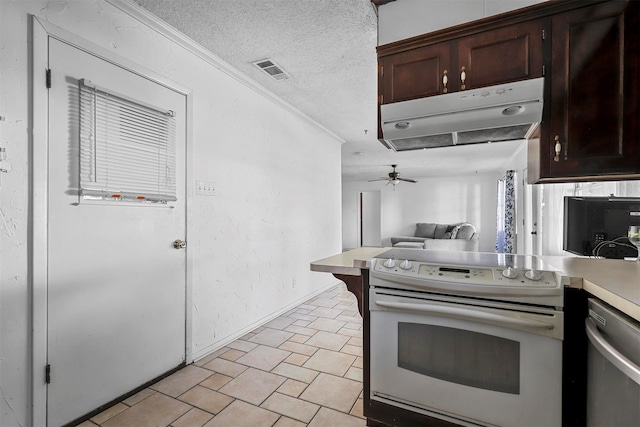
[(41, 31)]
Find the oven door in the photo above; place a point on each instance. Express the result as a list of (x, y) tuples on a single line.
[(467, 362)]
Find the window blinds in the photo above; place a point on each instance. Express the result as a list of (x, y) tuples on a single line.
[(127, 148)]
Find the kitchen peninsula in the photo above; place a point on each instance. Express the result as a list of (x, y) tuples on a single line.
[(616, 282), (613, 281)]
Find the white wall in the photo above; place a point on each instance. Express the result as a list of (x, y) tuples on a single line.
[(445, 200), (276, 208), (402, 19)]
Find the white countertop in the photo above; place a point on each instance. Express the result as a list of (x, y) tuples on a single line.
[(349, 263), (616, 282)]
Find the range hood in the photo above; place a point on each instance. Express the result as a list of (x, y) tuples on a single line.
[(503, 112)]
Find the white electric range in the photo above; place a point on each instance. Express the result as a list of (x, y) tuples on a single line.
[(467, 337)]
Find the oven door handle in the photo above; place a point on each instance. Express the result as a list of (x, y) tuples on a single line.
[(610, 353), (466, 314)]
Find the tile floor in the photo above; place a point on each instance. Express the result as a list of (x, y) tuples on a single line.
[(303, 368)]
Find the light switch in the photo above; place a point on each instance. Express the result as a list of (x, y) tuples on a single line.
[(204, 188)]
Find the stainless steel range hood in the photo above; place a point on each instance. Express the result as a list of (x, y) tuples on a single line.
[(498, 113)]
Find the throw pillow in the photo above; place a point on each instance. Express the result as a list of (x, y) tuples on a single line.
[(425, 229), (454, 232), (441, 229)]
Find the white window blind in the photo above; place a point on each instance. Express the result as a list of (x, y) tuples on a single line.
[(127, 148)]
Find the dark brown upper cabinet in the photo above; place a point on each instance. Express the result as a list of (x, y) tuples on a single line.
[(488, 58), (589, 54), (503, 55), (592, 121), (416, 73)]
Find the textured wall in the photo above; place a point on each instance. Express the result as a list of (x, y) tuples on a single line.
[(276, 207)]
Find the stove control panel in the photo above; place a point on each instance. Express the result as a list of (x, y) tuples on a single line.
[(491, 276), (498, 283), (455, 272)]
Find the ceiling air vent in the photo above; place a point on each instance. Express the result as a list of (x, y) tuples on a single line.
[(271, 68)]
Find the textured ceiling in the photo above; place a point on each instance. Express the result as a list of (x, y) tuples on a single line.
[(328, 49)]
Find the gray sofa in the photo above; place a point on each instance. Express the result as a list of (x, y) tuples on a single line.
[(446, 237)]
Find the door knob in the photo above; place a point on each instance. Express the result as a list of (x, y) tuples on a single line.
[(179, 244)]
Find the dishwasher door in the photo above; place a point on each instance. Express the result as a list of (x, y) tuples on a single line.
[(613, 381)]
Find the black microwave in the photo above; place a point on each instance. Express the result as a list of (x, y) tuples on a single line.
[(597, 226)]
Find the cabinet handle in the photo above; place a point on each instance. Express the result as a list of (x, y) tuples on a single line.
[(445, 80), (558, 149), (463, 78)]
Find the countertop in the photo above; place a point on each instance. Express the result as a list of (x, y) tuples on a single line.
[(616, 282), (349, 262)]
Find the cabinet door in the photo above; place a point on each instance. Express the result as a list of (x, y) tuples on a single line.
[(594, 92), (500, 56), (415, 73)]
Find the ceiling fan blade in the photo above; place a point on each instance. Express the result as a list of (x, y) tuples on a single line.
[(379, 179), (408, 180)]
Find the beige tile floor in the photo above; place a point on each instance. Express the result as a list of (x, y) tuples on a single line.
[(303, 368)]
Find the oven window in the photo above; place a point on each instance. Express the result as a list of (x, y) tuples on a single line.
[(460, 356)]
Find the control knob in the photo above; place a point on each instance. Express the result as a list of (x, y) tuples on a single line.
[(390, 263), (533, 275), (510, 273), (406, 265)]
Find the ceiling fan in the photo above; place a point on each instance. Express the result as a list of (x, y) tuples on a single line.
[(394, 178)]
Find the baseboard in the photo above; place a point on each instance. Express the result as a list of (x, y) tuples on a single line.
[(230, 338)]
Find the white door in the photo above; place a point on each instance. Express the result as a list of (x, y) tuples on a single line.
[(116, 285), (370, 219)]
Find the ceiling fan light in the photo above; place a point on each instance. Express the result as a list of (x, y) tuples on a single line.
[(395, 181)]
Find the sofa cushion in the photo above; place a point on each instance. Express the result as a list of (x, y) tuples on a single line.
[(441, 229), (425, 229)]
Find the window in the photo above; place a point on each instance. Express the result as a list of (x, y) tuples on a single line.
[(127, 148)]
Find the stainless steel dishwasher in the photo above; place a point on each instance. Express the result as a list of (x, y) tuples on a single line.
[(613, 378)]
